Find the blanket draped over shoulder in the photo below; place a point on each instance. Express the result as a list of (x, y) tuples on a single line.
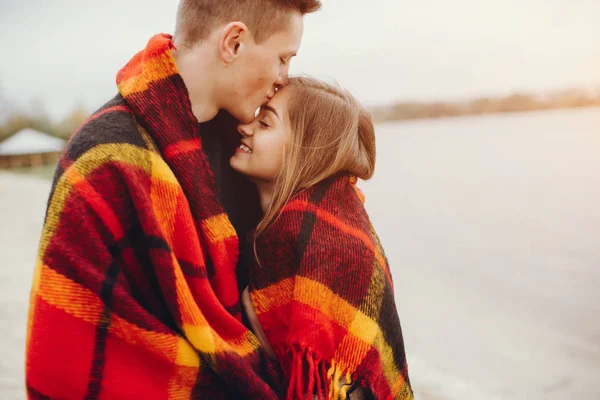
[(323, 294), (134, 293)]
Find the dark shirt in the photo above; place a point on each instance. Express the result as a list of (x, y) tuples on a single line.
[(237, 194)]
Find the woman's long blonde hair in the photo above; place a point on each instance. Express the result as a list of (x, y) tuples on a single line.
[(331, 133)]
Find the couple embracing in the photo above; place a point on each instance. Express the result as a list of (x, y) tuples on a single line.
[(194, 248)]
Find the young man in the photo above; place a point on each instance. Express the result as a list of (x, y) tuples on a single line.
[(135, 291)]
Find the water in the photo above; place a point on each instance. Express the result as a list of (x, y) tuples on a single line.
[(492, 228)]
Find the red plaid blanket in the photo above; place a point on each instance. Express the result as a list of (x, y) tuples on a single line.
[(323, 294), (134, 293)]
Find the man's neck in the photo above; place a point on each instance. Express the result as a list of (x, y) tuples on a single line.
[(195, 69)]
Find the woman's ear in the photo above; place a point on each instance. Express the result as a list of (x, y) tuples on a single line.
[(232, 40)]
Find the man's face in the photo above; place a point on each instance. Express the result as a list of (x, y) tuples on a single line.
[(262, 67)]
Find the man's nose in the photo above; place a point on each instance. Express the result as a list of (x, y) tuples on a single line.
[(282, 78)]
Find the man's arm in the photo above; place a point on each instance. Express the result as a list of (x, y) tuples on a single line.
[(88, 334)]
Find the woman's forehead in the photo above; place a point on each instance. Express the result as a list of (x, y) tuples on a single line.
[(279, 101)]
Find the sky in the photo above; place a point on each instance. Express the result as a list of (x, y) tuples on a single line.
[(62, 53)]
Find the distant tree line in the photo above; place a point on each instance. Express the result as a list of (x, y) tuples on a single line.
[(517, 102), (13, 120)]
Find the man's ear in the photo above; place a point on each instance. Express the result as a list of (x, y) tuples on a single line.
[(233, 39)]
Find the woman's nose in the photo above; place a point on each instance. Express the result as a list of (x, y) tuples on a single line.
[(245, 129)]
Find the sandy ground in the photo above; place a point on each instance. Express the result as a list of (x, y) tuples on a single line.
[(22, 207)]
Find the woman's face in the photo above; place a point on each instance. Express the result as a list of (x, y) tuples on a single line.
[(260, 153)]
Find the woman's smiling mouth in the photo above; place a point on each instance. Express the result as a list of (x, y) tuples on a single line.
[(245, 148)]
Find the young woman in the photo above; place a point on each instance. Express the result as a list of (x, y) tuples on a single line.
[(320, 296)]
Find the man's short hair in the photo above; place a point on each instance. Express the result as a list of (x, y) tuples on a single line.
[(197, 18)]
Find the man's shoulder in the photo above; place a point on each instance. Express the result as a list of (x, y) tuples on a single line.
[(108, 149), (112, 128)]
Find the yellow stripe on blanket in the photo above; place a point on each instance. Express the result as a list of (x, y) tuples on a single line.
[(218, 228), (153, 70)]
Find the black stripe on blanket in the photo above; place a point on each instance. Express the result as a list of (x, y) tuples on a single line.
[(310, 218), (106, 294)]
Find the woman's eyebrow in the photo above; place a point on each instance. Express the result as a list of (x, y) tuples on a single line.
[(269, 108)]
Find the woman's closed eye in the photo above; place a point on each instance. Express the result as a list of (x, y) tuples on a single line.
[(263, 123)]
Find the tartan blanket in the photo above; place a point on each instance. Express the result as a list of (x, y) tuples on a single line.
[(134, 292), (323, 294)]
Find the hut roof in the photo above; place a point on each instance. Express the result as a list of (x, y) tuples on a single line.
[(30, 141)]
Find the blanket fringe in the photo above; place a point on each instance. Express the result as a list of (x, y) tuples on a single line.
[(313, 378)]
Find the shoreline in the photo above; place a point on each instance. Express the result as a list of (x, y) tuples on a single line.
[(379, 120)]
